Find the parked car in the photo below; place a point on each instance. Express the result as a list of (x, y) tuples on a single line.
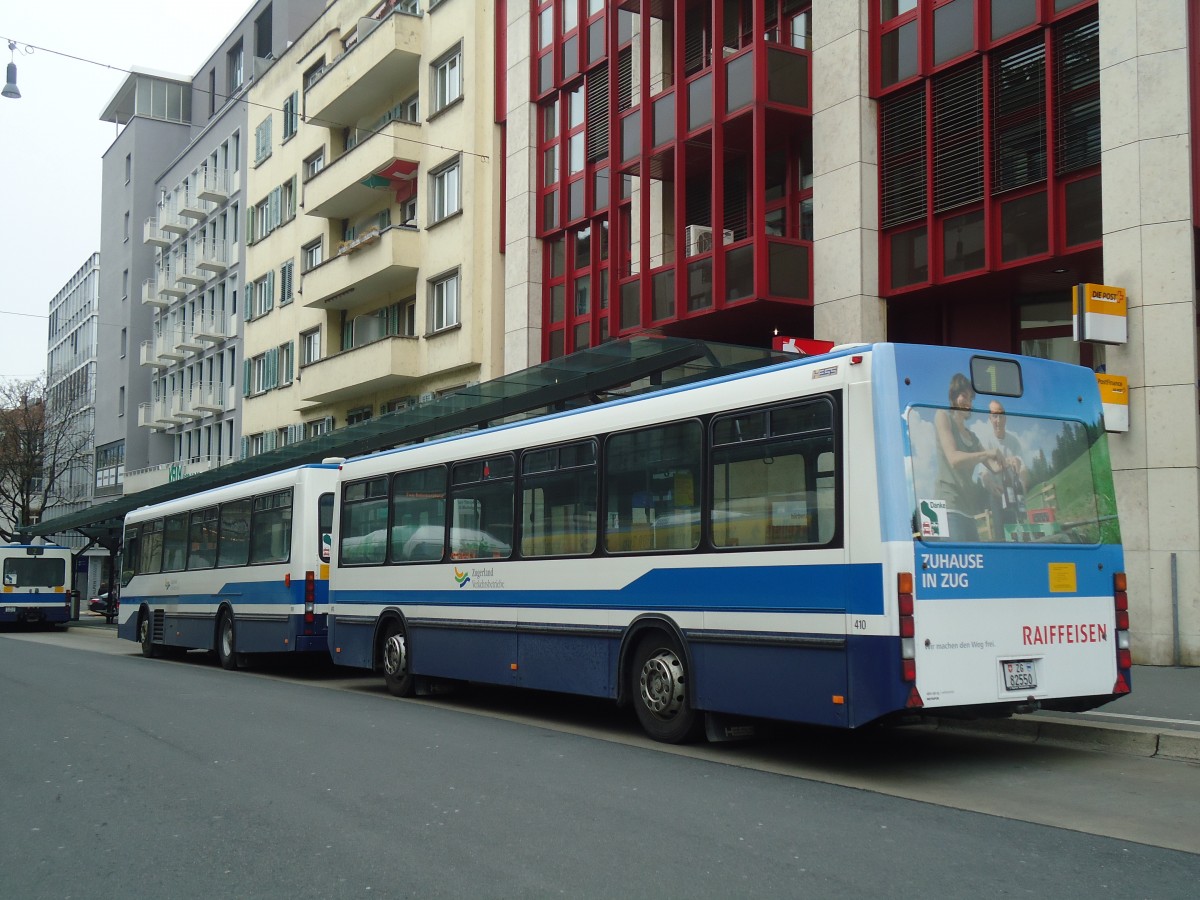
[(105, 604)]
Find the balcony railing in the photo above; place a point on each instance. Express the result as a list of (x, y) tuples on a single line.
[(149, 356), (212, 397), (190, 274), (151, 295), (168, 283), (152, 233), (212, 255), (215, 185), (215, 326), (191, 204)]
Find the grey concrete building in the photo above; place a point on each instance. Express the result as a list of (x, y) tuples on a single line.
[(170, 210)]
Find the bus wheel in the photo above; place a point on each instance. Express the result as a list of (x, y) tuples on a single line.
[(660, 687), (395, 660), (146, 636), (226, 642)]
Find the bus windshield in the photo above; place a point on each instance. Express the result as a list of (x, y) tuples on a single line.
[(995, 477)]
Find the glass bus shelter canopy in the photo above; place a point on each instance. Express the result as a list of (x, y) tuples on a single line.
[(625, 367)]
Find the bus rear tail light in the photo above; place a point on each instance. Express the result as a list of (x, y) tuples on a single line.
[(1124, 656), (310, 600), (908, 642), (904, 607)]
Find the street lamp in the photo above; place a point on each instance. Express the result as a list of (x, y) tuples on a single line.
[(10, 86)]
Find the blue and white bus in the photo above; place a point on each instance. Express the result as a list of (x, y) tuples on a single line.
[(240, 569), (835, 540), (37, 584)]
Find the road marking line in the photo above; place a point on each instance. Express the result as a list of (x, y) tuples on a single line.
[(1145, 718)]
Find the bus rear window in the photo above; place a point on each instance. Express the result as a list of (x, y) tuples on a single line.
[(990, 476), (34, 571)]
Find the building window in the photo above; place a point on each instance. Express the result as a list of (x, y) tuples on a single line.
[(285, 282), (311, 255), (443, 302), (287, 362), (314, 164), (234, 68), (124, 342), (127, 227), (121, 401), (125, 284), (291, 115), (362, 414), (310, 347), (446, 197), (408, 317), (314, 72), (264, 295), (128, 167), (287, 201), (262, 140), (446, 77), (319, 427)]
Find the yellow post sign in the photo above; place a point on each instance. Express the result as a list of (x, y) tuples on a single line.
[(1114, 397), (1099, 314)]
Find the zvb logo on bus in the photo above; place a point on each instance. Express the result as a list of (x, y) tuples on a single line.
[(462, 578)]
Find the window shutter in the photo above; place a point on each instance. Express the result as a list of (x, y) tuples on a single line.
[(245, 382), (291, 361), (1077, 92), (269, 440), (271, 289), (958, 137), (271, 368), (1019, 117), (902, 157), (250, 225), (291, 210), (245, 446), (273, 211)]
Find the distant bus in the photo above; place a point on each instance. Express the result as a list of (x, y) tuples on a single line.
[(37, 588), (876, 532), (240, 569)]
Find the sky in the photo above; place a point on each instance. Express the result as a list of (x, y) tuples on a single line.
[(52, 139)]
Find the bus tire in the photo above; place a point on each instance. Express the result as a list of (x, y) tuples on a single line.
[(227, 641), (394, 655), (658, 680), (146, 636)]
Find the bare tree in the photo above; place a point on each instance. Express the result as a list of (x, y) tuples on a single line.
[(45, 449)]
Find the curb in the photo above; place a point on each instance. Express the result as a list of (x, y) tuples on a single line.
[(1131, 740)]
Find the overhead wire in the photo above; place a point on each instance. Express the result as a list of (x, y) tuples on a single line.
[(241, 97)]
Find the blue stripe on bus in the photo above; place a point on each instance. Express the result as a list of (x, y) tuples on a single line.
[(834, 588)]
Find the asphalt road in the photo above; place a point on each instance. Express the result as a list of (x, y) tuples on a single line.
[(133, 778)]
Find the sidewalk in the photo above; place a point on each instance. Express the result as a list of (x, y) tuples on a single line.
[(1161, 717)]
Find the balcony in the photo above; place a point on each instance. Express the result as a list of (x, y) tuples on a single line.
[(216, 185), (153, 234), (149, 356), (186, 341), (168, 346), (369, 76), (367, 270), (212, 255), (151, 296), (181, 406), (215, 327), (382, 366), (146, 417), (211, 398), (191, 205), (190, 273), (170, 220), (353, 181), (168, 285)]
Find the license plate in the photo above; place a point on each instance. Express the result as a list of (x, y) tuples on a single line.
[(1019, 675), (10, 609)]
